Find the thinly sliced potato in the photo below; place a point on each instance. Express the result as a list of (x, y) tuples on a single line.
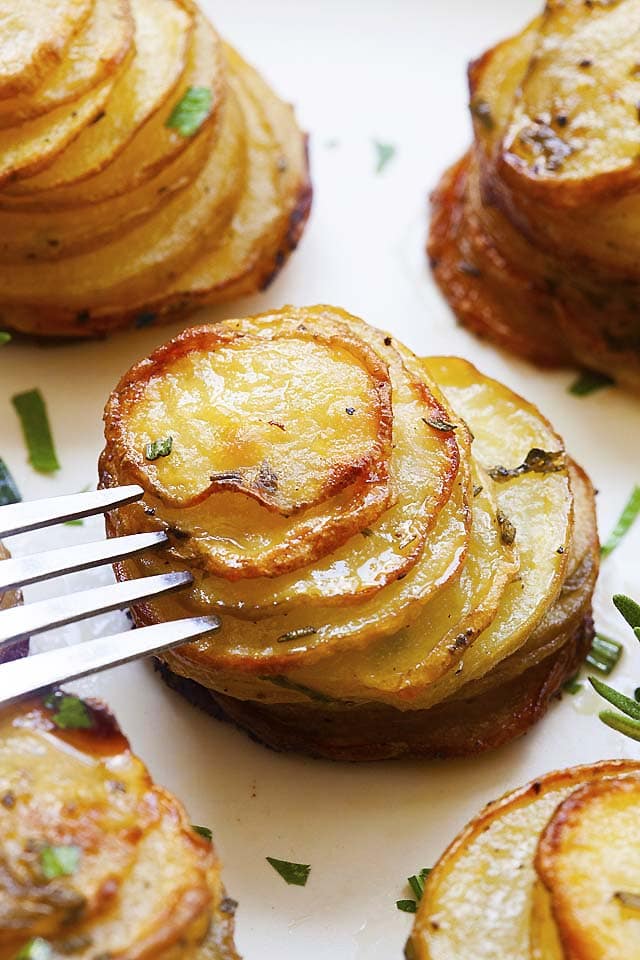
[(34, 35), (478, 899), (99, 47), (587, 862)]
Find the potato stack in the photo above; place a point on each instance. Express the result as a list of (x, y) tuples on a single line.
[(400, 551), (144, 166), (534, 237), (98, 861), (549, 872)]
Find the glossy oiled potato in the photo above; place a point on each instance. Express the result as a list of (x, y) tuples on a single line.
[(150, 169), (534, 237), (367, 526), (98, 861), (549, 872)]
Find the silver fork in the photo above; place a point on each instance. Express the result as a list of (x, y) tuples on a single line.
[(27, 675)]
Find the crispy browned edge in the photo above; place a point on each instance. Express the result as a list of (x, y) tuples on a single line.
[(456, 728)]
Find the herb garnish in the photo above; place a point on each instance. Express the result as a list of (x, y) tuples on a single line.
[(628, 899), (627, 518), (191, 111), (203, 832), (536, 461), (572, 685), (71, 713), (60, 861), (9, 492), (297, 634), (439, 423), (416, 883), (31, 410), (507, 528), (36, 949), (604, 653), (4, 338), (590, 381), (385, 153), (158, 448), (628, 721), (295, 874)]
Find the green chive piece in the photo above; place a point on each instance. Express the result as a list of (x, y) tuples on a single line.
[(572, 685), (407, 906), (629, 609), (36, 949), (191, 111), (295, 874), (604, 653), (60, 861), (71, 713), (627, 518), (9, 492), (385, 152), (203, 832), (4, 338), (588, 382), (158, 448), (417, 882), (31, 410), (622, 724), (626, 704)]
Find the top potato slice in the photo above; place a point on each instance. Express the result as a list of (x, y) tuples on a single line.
[(34, 35), (587, 861), (576, 120), (162, 30), (96, 50), (478, 899)]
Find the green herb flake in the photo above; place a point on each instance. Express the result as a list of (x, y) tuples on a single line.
[(295, 874), (36, 949), (629, 609), (31, 410), (407, 906), (385, 152), (158, 448), (59, 861), (191, 111), (298, 634), (4, 338), (536, 461), (418, 881), (9, 492), (627, 518), (628, 899), (572, 685), (604, 653), (588, 382), (439, 423), (71, 713), (203, 832)]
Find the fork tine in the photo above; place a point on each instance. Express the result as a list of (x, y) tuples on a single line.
[(19, 622), (70, 663), (21, 571), (20, 517)]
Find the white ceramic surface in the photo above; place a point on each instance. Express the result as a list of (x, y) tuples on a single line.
[(357, 70)]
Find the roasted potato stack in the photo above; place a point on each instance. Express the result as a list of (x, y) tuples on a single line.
[(548, 872), (145, 168), (96, 859), (534, 232), (366, 524)]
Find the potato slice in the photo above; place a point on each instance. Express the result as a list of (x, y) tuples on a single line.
[(587, 862), (35, 34), (95, 52), (478, 899), (162, 29)]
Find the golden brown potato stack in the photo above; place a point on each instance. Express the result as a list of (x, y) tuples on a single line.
[(367, 525), (145, 168), (549, 872), (534, 232), (98, 861)]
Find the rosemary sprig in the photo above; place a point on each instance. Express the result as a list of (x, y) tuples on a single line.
[(626, 717)]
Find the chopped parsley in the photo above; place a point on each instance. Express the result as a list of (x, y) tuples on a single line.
[(588, 382), (71, 713), (60, 861), (295, 874), (191, 111), (385, 152), (626, 520), (158, 448), (407, 906), (203, 832), (416, 883), (36, 949), (31, 410), (9, 492)]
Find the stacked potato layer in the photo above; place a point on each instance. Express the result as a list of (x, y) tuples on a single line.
[(144, 166), (534, 237), (547, 873), (400, 551), (96, 859)]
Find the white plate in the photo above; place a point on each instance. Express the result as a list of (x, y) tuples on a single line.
[(357, 70)]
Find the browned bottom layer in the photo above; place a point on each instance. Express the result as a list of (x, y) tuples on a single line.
[(378, 732)]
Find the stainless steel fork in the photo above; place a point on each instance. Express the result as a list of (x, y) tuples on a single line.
[(27, 675)]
